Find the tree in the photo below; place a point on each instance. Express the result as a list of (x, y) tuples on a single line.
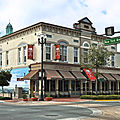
[(98, 57), (5, 77)]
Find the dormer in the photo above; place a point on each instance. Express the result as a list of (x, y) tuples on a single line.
[(84, 24)]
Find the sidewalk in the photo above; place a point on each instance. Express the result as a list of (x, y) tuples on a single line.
[(55, 101)]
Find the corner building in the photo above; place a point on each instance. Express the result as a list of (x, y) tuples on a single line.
[(64, 77)]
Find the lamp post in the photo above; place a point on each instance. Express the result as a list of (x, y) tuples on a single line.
[(41, 41)]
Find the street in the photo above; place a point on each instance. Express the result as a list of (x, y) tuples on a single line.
[(93, 110)]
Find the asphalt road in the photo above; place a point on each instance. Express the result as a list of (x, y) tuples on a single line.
[(77, 111), (56, 112)]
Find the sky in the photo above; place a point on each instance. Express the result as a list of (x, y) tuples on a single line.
[(23, 13)]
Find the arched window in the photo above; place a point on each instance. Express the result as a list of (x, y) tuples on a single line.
[(85, 52), (86, 45)]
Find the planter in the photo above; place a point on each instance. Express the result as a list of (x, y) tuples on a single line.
[(25, 99), (34, 99), (48, 98)]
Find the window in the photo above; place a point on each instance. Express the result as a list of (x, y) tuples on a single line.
[(63, 53), (7, 58), (94, 45), (75, 55), (76, 41), (86, 26), (113, 48), (19, 55), (49, 36), (85, 52), (24, 54), (86, 45), (0, 59), (112, 60), (48, 51), (66, 85)]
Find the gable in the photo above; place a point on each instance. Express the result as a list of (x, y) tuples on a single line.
[(85, 20)]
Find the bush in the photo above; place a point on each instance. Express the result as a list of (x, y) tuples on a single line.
[(5, 98), (100, 97), (24, 96)]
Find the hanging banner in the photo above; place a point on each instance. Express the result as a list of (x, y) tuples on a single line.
[(30, 52), (57, 52), (89, 74)]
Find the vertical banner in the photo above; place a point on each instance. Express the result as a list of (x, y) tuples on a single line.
[(30, 52), (57, 52)]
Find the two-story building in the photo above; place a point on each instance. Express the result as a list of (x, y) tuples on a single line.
[(20, 51)]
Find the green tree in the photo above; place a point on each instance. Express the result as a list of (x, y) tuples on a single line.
[(5, 77), (98, 57)]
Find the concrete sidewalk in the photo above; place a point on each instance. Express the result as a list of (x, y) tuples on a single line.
[(55, 101)]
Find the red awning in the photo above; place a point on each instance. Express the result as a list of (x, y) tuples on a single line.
[(89, 74), (31, 75), (67, 75), (52, 74)]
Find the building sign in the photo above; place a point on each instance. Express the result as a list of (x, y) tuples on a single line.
[(30, 52), (57, 52), (89, 74), (112, 41)]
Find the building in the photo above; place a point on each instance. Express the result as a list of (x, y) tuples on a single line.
[(21, 52)]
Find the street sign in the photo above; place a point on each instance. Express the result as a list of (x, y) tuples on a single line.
[(112, 41)]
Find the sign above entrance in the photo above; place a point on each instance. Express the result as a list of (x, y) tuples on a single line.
[(89, 74), (112, 41)]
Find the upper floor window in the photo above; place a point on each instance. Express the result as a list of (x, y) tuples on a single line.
[(24, 54), (76, 41), (112, 47), (75, 55), (112, 60), (49, 36), (85, 52), (0, 59), (63, 53), (94, 45), (86, 45), (48, 51), (19, 55), (7, 62)]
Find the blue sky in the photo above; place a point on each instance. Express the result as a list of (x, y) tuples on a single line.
[(23, 13)]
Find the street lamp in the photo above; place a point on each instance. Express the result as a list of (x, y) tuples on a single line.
[(41, 41)]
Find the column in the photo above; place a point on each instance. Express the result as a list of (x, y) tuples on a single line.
[(100, 87), (109, 82), (56, 88), (117, 87), (69, 87), (90, 87), (30, 88), (81, 87)]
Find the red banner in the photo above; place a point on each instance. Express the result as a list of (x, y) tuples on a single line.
[(30, 52), (89, 74), (20, 79), (57, 52)]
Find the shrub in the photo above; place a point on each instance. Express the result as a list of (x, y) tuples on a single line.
[(5, 98), (24, 96), (100, 97)]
